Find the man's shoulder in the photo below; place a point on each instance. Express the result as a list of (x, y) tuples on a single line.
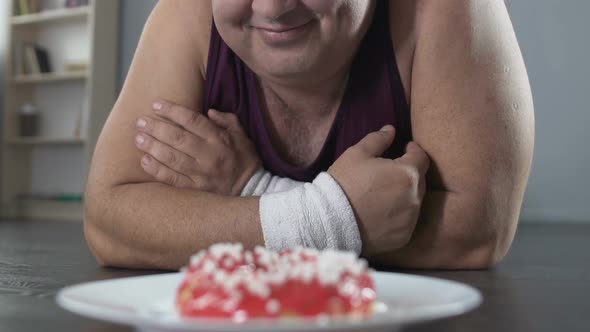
[(191, 21)]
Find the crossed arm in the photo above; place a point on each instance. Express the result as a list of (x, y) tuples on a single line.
[(471, 112)]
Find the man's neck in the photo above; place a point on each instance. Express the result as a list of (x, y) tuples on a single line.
[(311, 97)]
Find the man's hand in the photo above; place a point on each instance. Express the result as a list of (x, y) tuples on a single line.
[(386, 195), (186, 149)]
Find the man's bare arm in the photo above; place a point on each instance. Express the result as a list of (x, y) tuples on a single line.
[(472, 112), (152, 225), (130, 220)]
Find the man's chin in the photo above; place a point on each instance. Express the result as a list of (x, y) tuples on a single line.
[(285, 73), (285, 67)]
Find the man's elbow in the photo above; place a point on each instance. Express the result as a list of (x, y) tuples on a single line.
[(111, 250), (485, 253), (107, 250), (485, 256), (93, 240), (100, 242)]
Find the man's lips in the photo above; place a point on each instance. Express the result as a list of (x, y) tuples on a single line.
[(276, 35), (279, 29)]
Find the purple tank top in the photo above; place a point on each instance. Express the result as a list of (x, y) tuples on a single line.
[(373, 98)]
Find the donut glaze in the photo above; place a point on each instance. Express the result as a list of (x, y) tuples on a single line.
[(227, 281)]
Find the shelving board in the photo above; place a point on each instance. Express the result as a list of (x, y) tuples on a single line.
[(53, 210), (51, 15), (45, 141), (51, 77)]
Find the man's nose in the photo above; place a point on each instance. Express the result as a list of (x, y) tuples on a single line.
[(273, 9)]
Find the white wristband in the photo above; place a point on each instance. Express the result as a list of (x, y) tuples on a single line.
[(262, 182), (314, 215)]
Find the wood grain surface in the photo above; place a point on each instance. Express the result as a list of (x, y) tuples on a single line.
[(543, 284)]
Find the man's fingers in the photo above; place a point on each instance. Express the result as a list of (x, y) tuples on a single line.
[(164, 174), (417, 157), (376, 143), (167, 155), (172, 135), (226, 120), (191, 120)]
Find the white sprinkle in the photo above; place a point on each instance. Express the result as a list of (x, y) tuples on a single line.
[(368, 294), (348, 287), (220, 277), (273, 306), (228, 263), (231, 304), (258, 288), (249, 257), (221, 249), (203, 301), (240, 316), (278, 278), (231, 283), (196, 259), (209, 266)]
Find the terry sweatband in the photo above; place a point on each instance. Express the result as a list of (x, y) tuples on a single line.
[(262, 182), (313, 215)]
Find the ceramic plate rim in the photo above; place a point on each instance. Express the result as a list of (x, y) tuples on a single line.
[(67, 299)]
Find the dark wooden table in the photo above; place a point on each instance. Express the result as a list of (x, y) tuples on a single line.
[(543, 284)]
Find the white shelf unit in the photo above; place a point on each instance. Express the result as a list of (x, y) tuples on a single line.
[(74, 106), (60, 14), (48, 78), (45, 141)]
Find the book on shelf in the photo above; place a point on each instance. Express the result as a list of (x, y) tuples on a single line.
[(22, 7), (31, 64), (35, 6), (26, 7), (43, 60), (31, 59)]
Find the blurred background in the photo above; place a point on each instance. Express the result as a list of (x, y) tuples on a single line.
[(63, 62)]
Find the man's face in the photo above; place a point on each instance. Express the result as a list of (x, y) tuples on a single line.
[(286, 38)]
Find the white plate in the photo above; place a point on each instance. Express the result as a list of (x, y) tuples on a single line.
[(147, 303)]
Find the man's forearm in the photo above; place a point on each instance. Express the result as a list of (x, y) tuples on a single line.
[(455, 231), (151, 225)]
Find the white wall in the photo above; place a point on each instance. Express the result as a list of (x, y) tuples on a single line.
[(554, 39), (3, 45), (133, 16)]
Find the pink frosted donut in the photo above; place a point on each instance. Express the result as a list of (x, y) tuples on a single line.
[(227, 281)]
